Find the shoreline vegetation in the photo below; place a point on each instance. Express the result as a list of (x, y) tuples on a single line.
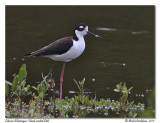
[(43, 101)]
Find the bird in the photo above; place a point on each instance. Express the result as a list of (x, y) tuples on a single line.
[(65, 49)]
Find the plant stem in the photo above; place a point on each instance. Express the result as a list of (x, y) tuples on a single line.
[(9, 96), (41, 109)]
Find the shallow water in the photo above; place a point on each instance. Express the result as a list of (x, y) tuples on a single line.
[(125, 54)]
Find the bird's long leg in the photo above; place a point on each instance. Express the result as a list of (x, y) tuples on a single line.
[(61, 79)]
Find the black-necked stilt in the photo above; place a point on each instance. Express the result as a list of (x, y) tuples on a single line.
[(65, 49)]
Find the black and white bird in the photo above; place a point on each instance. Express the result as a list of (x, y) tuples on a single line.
[(65, 49)]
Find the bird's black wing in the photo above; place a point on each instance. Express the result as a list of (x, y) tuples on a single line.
[(58, 47)]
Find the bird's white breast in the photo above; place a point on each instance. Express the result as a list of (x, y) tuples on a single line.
[(75, 51)]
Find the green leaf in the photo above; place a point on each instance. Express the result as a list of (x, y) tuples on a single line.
[(41, 95), (124, 88), (82, 82), (7, 82), (124, 84), (34, 88), (124, 97), (130, 89), (76, 83), (15, 82), (132, 103), (38, 87), (118, 86), (6, 89), (23, 83), (28, 87), (22, 72)]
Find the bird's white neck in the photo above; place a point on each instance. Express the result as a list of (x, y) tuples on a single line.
[(79, 34)]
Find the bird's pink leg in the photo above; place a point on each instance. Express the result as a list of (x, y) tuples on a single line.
[(61, 79)]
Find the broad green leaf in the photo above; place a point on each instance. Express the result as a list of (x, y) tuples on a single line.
[(6, 89), (15, 82), (22, 72), (7, 82)]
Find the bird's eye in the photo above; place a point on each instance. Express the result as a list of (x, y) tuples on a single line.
[(81, 29)]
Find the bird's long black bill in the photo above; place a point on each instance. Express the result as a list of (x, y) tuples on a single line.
[(97, 36)]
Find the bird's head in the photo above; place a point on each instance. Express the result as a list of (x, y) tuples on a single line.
[(81, 30)]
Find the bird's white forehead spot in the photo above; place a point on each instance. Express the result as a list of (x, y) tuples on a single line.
[(81, 27)]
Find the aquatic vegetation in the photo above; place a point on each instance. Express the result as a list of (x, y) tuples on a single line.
[(79, 106)]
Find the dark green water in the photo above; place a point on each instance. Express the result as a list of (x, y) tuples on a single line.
[(125, 54)]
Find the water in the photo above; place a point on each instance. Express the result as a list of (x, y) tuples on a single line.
[(125, 54)]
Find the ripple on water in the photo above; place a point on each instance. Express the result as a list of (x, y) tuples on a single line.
[(93, 79), (115, 63), (107, 29), (138, 33)]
